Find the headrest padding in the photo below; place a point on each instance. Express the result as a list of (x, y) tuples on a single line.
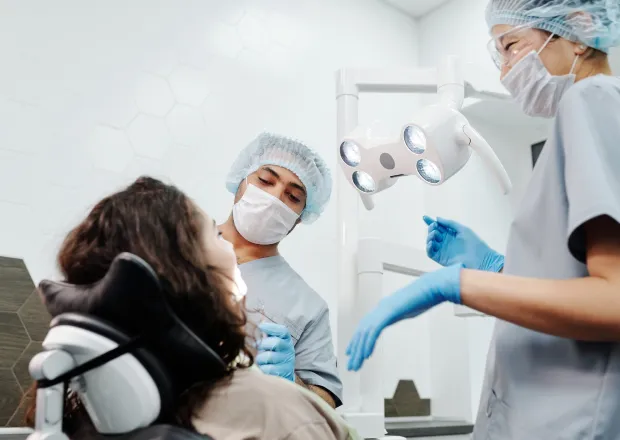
[(131, 298)]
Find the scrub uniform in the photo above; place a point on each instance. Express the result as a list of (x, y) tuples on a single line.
[(278, 294), (537, 386)]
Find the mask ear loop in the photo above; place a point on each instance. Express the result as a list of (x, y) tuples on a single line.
[(572, 69), (546, 43)]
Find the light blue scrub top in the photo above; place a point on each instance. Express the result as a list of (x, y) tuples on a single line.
[(276, 292), (541, 387)]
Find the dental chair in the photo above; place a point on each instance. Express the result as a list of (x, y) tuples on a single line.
[(121, 348)]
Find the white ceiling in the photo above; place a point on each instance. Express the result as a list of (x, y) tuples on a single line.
[(415, 8)]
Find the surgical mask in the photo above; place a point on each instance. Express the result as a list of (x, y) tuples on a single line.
[(537, 92), (261, 218)]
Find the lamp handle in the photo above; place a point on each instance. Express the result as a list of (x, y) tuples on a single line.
[(486, 153), (368, 202)]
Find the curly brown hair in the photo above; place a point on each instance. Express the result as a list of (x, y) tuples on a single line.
[(163, 226)]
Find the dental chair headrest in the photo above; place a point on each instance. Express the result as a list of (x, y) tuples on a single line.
[(130, 298)]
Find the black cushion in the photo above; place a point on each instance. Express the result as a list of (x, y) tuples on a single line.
[(150, 363), (131, 298)]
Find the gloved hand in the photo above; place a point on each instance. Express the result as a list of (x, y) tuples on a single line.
[(276, 352), (449, 242), (429, 290)]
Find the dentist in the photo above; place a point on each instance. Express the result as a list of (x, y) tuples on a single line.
[(279, 183), (553, 369)]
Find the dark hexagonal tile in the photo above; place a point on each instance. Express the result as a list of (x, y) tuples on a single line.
[(13, 339), (19, 416), (10, 396), (35, 317), (16, 284), (21, 366)]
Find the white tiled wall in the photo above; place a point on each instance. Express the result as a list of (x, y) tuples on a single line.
[(94, 94)]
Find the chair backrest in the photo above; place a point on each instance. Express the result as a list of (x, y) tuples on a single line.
[(126, 308), (124, 394)]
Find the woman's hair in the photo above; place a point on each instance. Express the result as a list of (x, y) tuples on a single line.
[(160, 224)]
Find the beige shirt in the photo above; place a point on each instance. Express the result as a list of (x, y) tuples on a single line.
[(253, 406)]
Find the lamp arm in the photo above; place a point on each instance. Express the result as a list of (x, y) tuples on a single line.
[(488, 156), (368, 202)]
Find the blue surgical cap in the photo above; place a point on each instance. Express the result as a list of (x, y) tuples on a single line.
[(595, 23), (272, 149)]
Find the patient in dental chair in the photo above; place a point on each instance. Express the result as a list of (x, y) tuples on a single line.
[(197, 268)]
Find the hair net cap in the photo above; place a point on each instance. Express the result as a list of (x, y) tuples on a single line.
[(595, 23), (272, 149)]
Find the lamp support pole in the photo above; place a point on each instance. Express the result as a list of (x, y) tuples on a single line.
[(363, 404)]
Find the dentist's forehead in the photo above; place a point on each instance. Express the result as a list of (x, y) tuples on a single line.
[(499, 30)]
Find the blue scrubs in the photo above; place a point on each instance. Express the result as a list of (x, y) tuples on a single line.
[(537, 386), (278, 294)]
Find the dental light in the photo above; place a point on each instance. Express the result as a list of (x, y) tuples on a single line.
[(434, 146)]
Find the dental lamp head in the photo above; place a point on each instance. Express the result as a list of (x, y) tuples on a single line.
[(434, 147)]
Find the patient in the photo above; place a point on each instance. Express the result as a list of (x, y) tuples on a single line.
[(160, 224)]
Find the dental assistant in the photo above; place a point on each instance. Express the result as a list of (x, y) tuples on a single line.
[(553, 368), (279, 183)]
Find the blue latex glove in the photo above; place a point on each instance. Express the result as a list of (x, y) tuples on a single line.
[(276, 352), (429, 290), (449, 242)]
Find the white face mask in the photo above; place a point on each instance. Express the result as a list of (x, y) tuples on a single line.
[(262, 218), (534, 88)]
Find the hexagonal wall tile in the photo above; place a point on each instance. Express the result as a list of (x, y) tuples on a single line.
[(196, 57), (118, 109), (159, 60), (231, 13), (19, 229), (143, 166), (38, 257), (17, 420), (149, 136), (109, 149), (17, 186), (283, 30), (20, 369), (224, 40), (184, 165), (10, 397), (52, 220), (35, 317), (187, 125), (253, 33), (190, 86), (153, 96), (52, 167), (16, 129), (16, 284), (13, 339)]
